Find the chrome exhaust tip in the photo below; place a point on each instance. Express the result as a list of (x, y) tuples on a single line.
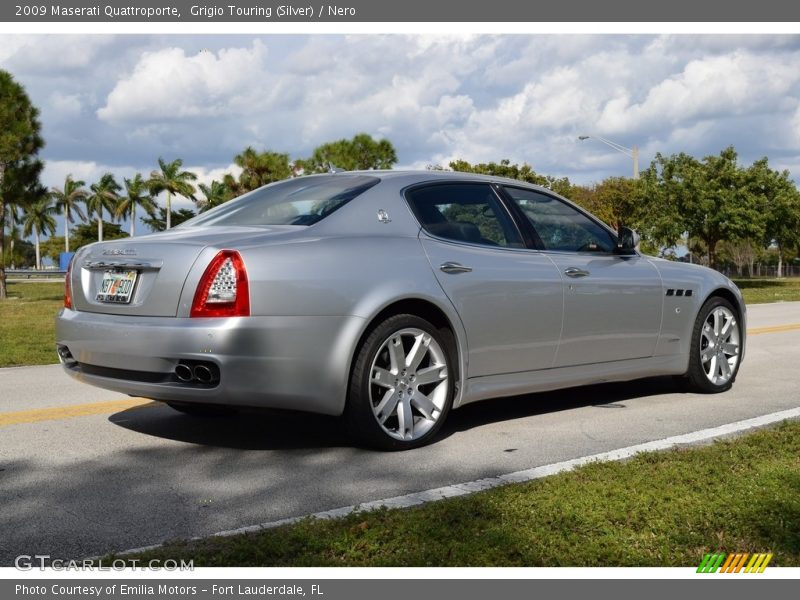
[(65, 356), (183, 372), (203, 374)]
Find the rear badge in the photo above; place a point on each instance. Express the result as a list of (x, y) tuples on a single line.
[(119, 252)]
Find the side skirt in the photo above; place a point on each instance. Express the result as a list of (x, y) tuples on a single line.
[(512, 384)]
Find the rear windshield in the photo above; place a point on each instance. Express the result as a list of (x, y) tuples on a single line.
[(298, 201)]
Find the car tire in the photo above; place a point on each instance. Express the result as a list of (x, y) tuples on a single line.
[(715, 353), (203, 410), (402, 384)]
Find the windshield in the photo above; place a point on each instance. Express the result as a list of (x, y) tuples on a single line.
[(298, 201)]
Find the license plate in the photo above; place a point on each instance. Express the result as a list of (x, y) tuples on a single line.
[(117, 287)]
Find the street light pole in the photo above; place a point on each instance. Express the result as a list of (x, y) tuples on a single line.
[(630, 152)]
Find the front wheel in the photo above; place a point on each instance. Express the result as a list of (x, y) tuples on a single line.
[(402, 384), (716, 347)]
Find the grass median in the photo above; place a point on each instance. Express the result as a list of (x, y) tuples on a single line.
[(27, 323), (657, 509), (27, 317), (758, 291)]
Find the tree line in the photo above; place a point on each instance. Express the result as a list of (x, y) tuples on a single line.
[(723, 211)]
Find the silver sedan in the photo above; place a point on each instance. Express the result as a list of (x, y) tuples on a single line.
[(390, 298)]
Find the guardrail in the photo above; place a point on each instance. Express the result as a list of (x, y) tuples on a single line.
[(34, 273)]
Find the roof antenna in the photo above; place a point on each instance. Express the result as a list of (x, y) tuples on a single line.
[(334, 169)]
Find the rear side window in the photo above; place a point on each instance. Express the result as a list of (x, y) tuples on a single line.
[(559, 225), (299, 201), (464, 212)]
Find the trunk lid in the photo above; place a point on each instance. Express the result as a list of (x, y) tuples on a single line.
[(154, 267)]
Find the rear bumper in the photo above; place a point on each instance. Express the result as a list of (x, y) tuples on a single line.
[(298, 363)]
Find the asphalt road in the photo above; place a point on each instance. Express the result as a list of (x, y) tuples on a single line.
[(84, 471)]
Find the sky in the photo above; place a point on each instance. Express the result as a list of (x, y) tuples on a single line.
[(117, 103)]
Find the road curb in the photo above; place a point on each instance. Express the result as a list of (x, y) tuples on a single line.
[(479, 485)]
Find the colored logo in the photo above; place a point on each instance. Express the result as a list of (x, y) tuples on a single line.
[(734, 563)]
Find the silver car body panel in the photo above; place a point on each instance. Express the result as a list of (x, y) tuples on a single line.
[(482, 388), (680, 311), (520, 324), (612, 311), (523, 286), (287, 367)]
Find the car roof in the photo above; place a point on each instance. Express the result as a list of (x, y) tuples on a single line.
[(409, 177)]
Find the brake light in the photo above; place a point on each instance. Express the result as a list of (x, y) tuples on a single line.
[(68, 287), (223, 290)]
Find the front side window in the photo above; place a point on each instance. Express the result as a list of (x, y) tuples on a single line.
[(464, 212), (559, 225), (298, 201)]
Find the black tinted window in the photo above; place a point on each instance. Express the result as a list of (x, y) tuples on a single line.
[(299, 201), (559, 225), (465, 213)]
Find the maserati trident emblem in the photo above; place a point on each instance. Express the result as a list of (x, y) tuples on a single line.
[(119, 252), (383, 216)]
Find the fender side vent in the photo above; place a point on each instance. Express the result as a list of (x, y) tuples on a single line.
[(679, 293)]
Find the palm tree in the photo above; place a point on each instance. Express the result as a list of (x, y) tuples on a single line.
[(172, 180), (104, 196), (39, 221), (135, 196), (261, 168), (66, 200), (16, 211), (215, 194), (234, 185)]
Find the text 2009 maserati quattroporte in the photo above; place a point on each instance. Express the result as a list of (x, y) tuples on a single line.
[(391, 298)]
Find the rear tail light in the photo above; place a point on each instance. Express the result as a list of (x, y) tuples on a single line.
[(223, 290), (68, 287)]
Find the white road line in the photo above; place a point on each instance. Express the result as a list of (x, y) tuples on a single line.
[(479, 485)]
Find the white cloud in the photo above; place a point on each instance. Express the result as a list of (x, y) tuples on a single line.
[(169, 84), (436, 98), (735, 83), (206, 175), (51, 54), (56, 171)]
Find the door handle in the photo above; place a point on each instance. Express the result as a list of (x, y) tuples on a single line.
[(575, 272), (454, 267)]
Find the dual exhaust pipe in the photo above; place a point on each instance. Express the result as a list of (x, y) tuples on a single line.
[(205, 373)]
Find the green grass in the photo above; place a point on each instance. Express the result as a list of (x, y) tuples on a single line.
[(658, 509), (27, 323), (758, 291)]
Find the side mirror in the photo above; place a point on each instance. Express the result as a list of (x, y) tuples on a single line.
[(627, 240)]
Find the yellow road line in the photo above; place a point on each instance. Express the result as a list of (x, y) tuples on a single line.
[(773, 329), (67, 412)]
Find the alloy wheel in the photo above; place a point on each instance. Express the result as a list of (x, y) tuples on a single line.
[(409, 384), (720, 342)]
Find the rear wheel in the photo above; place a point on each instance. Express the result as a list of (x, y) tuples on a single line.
[(716, 347), (402, 384), (202, 410)]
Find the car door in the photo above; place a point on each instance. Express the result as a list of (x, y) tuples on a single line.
[(612, 303), (509, 298)]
